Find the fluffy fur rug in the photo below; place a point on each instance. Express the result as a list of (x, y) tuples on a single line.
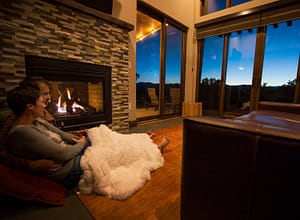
[(117, 165)]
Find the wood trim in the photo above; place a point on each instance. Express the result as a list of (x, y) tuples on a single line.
[(245, 22), (290, 12)]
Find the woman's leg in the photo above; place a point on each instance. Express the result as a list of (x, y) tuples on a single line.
[(72, 179)]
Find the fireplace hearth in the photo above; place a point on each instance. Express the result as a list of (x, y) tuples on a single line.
[(81, 92)]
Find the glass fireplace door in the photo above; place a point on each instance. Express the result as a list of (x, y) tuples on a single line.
[(80, 92)]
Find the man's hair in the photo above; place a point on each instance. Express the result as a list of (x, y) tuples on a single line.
[(18, 98), (33, 81)]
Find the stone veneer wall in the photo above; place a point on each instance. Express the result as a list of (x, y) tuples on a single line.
[(50, 29)]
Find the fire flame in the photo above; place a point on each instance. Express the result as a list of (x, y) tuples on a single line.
[(76, 105), (68, 93), (62, 107)]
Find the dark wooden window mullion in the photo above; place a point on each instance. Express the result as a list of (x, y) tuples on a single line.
[(162, 66), (297, 89), (203, 7), (200, 48), (257, 67), (183, 66), (223, 76)]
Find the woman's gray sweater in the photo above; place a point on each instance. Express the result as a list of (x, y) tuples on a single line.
[(42, 140)]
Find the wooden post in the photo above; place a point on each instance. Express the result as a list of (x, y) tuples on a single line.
[(191, 109)]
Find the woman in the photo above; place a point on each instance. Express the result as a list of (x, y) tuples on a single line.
[(37, 165), (32, 137)]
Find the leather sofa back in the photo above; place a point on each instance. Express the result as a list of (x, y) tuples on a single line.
[(238, 169)]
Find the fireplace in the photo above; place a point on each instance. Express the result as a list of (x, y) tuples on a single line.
[(81, 92)]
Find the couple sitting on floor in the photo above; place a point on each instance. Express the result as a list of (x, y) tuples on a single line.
[(33, 138)]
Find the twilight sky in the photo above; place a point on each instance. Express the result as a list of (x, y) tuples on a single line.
[(282, 51), (148, 57)]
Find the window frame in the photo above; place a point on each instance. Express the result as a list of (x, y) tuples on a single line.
[(166, 19)]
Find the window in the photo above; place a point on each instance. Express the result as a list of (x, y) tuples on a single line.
[(281, 59), (211, 6), (211, 73), (215, 5), (148, 45), (173, 70), (160, 60), (249, 59), (239, 71), (238, 2)]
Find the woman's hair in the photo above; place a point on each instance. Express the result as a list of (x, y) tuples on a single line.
[(18, 98)]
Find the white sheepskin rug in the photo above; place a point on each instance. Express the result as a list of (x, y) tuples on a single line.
[(117, 165)]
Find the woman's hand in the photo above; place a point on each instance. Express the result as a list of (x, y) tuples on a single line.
[(79, 140), (79, 132)]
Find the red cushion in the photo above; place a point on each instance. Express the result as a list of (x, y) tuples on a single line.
[(29, 187)]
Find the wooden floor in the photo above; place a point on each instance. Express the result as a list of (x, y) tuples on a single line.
[(159, 198)]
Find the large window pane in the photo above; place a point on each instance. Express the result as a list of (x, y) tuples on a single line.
[(173, 70), (280, 65), (211, 72), (215, 5), (238, 2), (147, 67), (239, 71)]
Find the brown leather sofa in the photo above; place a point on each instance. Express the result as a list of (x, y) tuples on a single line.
[(243, 168)]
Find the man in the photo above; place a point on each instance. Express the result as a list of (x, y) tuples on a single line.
[(43, 86)]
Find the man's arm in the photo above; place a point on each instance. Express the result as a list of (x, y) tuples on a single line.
[(29, 142)]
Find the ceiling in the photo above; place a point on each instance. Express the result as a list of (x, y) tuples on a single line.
[(145, 25)]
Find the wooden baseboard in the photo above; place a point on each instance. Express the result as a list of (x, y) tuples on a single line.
[(132, 124)]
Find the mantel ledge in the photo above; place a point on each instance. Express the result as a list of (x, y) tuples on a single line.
[(107, 17)]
